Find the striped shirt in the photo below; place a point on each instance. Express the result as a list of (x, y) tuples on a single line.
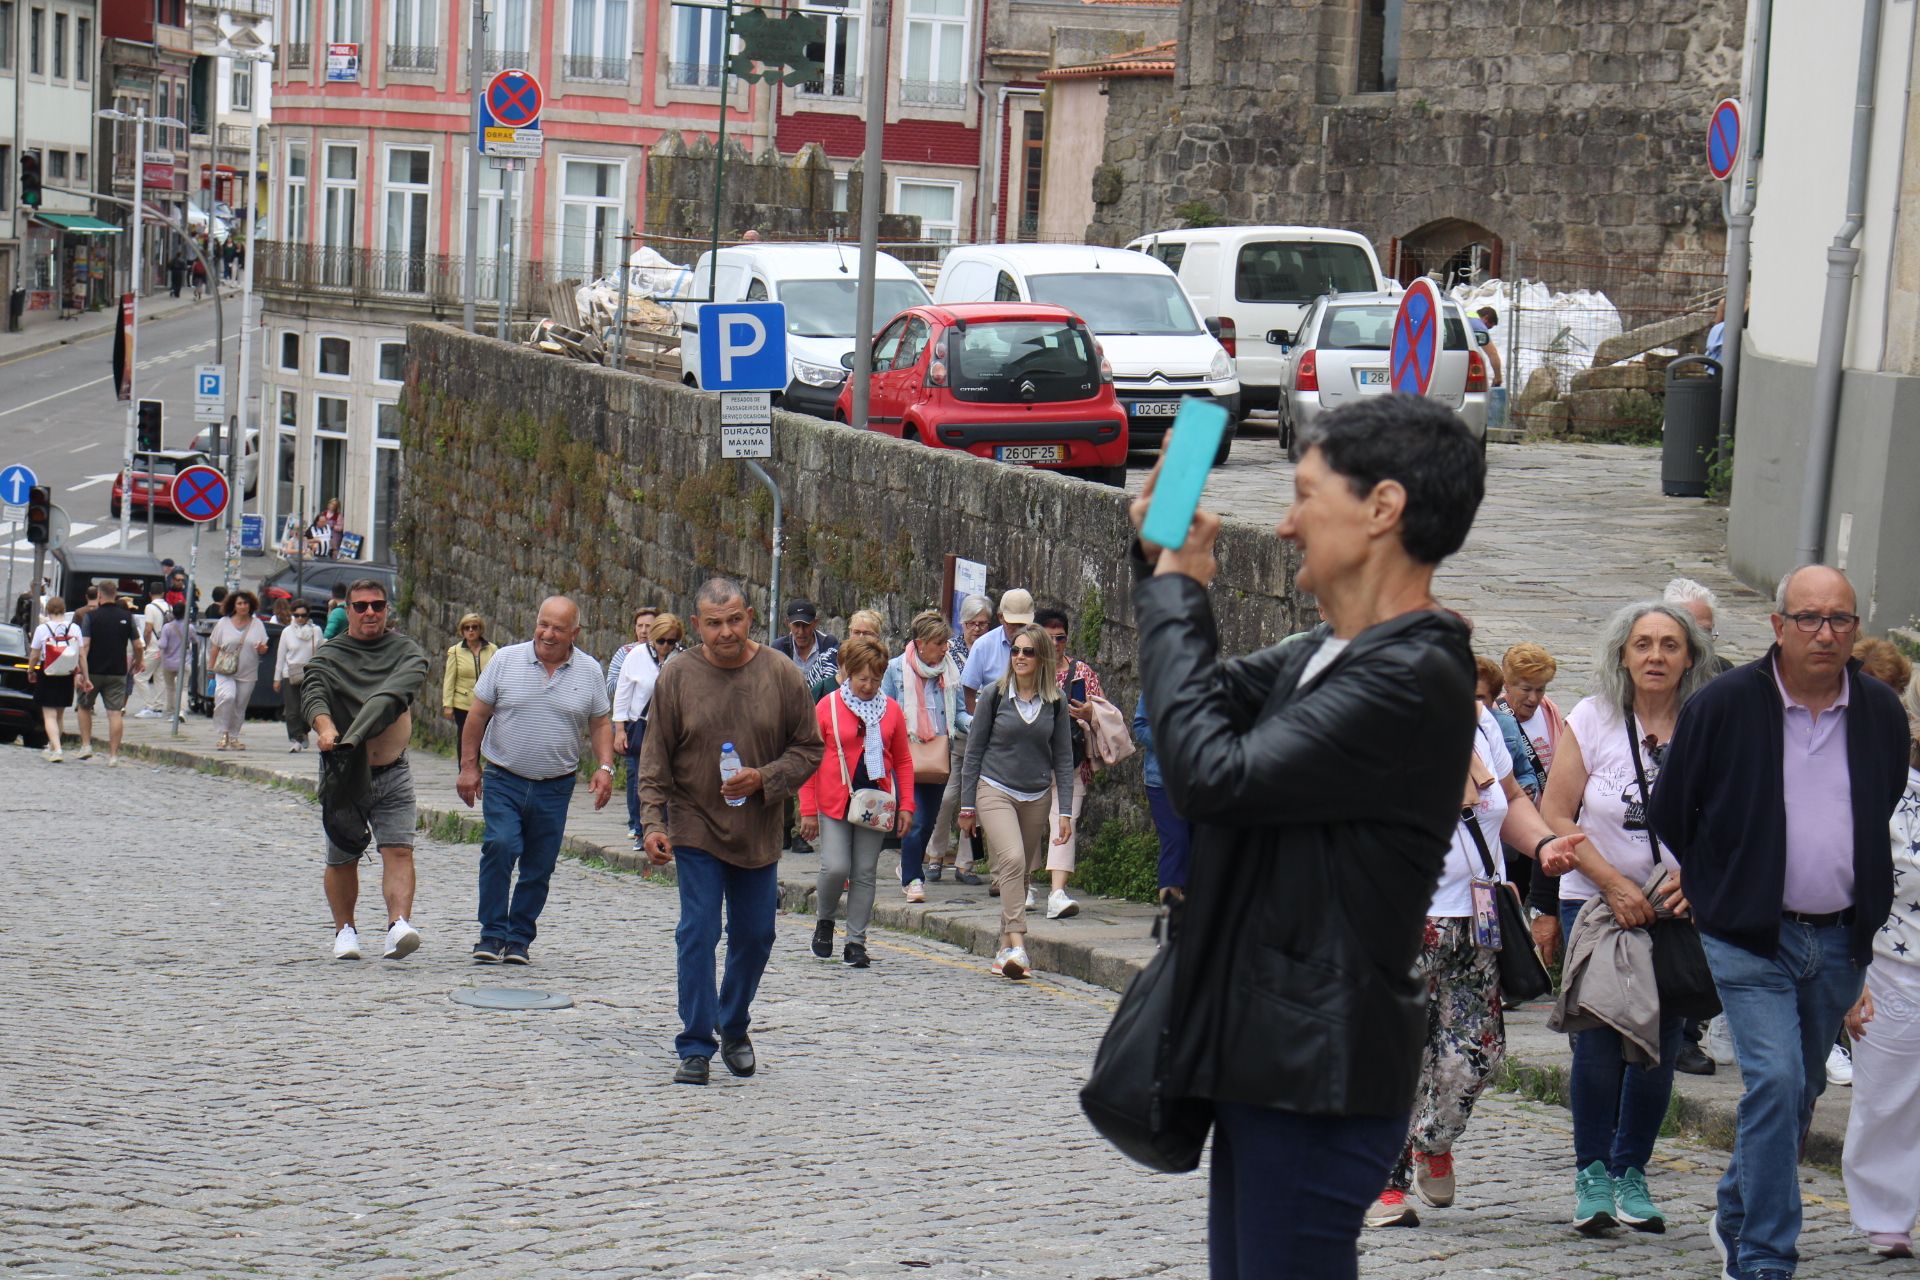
[(539, 719)]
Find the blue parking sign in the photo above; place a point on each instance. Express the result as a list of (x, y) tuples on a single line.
[(743, 346)]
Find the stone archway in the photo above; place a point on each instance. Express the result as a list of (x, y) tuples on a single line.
[(1453, 249)]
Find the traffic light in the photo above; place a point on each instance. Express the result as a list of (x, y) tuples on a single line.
[(40, 515), (30, 179), (147, 427)]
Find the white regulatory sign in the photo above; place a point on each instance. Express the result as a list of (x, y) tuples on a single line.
[(745, 408), (754, 440)]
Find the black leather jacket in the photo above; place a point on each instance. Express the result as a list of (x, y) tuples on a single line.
[(1321, 818)]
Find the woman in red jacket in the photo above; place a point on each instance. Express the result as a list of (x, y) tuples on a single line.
[(866, 736)]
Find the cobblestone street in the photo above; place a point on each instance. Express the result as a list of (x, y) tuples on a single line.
[(196, 1089)]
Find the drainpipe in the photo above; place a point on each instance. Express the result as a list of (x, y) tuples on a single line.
[(1740, 228), (1842, 260)]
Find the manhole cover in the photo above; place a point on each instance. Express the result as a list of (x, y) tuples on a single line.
[(512, 998)]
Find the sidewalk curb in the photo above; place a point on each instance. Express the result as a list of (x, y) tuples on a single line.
[(100, 328), (1712, 1122)]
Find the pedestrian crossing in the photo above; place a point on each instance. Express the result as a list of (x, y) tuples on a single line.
[(14, 545)]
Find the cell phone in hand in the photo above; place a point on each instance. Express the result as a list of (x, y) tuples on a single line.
[(1077, 691), (1187, 458)]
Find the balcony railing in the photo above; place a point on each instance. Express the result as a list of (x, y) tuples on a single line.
[(233, 136), (504, 59), (428, 281), (694, 75), (586, 66), (298, 55), (934, 93), (835, 86), (252, 8), (413, 57)]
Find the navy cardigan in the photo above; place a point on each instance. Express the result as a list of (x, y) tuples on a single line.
[(1720, 804)]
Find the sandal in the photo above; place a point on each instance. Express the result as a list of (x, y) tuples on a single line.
[(222, 744)]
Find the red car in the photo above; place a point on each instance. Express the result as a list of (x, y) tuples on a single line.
[(156, 487), (1009, 381)]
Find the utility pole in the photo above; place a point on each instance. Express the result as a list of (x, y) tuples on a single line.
[(870, 197), (720, 155), (133, 399), (476, 37), (237, 446), (503, 255)]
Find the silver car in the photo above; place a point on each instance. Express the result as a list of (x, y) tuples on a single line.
[(1340, 354)]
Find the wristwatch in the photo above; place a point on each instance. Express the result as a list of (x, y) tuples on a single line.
[(1534, 913), (605, 768)]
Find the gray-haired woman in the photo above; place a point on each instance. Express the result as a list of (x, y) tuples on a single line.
[(1653, 658), (943, 851)]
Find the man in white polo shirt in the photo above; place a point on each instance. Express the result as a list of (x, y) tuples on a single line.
[(531, 707), (987, 659)]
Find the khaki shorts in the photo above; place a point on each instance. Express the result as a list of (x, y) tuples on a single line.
[(110, 689), (391, 813)]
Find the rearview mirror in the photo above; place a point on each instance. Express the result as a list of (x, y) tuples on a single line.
[(846, 361), (1279, 338)]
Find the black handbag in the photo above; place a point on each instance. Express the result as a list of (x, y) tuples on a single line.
[(1124, 1095), (1680, 972), (1522, 976)]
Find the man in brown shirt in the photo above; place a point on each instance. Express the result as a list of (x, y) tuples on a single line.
[(726, 838)]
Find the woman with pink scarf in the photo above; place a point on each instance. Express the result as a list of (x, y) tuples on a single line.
[(926, 684)]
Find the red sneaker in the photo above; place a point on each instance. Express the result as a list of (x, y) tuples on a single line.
[(1392, 1210)]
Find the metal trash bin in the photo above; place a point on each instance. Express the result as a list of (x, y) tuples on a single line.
[(1690, 429)]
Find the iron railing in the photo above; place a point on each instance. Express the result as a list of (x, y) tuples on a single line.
[(587, 66), (233, 136), (504, 59), (934, 93), (298, 54), (429, 281), (694, 75), (845, 85), (413, 57)]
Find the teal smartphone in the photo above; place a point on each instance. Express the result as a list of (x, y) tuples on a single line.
[(1191, 445)]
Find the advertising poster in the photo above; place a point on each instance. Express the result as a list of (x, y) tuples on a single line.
[(343, 63)]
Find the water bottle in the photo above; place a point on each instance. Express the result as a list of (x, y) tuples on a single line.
[(730, 765)]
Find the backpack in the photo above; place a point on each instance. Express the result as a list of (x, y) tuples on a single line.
[(60, 656)]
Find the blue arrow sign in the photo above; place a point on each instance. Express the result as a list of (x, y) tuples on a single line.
[(16, 482)]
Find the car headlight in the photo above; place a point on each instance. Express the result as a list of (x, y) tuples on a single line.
[(818, 375), (1221, 368)]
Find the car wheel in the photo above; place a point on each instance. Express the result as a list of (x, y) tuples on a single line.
[(6, 737), (1226, 447), (113, 508)]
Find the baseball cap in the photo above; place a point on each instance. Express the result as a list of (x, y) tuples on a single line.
[(801, 611), (1016, 605)]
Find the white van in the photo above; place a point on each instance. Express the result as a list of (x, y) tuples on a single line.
[(818, 283), (1146, 324), (1250, 281)]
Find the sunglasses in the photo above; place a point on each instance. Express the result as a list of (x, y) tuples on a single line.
[(471, 626), (1025, 651), (299, 617), (369, 606)]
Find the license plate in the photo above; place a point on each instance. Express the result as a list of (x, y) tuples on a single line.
[(1156, 408), (1373, 377), (1030, 452)]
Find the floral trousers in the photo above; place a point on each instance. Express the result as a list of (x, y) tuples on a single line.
[(1466, 1037)]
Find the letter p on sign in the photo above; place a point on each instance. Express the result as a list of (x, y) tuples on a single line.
[(743, 346)]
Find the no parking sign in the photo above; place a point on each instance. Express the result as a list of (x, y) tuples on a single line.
[(1416, 339)]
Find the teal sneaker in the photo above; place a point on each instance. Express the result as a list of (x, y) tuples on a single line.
[(1632, 1204), (1593, 1200)]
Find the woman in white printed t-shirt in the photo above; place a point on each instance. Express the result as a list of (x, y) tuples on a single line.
[(1653, 658), (1466, 1034)]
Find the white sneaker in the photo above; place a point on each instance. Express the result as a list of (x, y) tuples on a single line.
[(1717, 1042), (402, 941), (113, 761), (1012, 962), (85, 752), (346, 944), (1029, 897), (1839, 1066), (1060, 906), (916, 891), (52, 753)]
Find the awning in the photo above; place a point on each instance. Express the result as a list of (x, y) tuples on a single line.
[(78, 223)]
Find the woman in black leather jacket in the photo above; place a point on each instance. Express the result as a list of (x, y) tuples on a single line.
[(1323, 780)]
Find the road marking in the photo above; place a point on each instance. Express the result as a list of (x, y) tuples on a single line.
[(141, 364), (108, 539), (83, 448), (21, 408), (91, 481)]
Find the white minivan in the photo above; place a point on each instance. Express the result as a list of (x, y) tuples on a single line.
[(1249, 281), (818, 283), (1147, 326)]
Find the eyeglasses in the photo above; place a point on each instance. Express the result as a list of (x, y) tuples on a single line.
[(471, 626), (1842, 623), (1059, 640), (369, 606), (1025, 651)]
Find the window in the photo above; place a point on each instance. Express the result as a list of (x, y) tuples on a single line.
[(6, 174), (299, 34), (599, 40), (335, 358), (936, 53), (1379, 69), (386, 414), (493, 186), (79, 166), (410, 37), (240, 88), (1299, 270), (1170, 252), (589, 217), (837, 51), (286, 451), (290, 407), (329, 453), (409, 178), (289, 354), (393, 364), (386, 498), (59, 46), (56, 166), (343, 21), (338, 216), (36, 34), (507, 36), (698, 30), (1005, 289), (295, 232), (839, 193), (7, 20), (937, 203), (1113, 303), (1032, 157), (83, 49)]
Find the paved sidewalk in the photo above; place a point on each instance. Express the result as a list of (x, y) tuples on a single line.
[(1104, 945), (45, 333)]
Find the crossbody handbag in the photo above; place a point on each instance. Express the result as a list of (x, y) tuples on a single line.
[(1522, 976), (932, 759), (868, 807), (1680, 972)]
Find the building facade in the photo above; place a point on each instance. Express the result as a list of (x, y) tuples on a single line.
[(49, 68), (1870, 526), (373, 158), (147, 61)]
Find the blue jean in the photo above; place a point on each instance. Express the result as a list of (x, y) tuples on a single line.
[(926, 811), (1784, 1013), (1323, 1170), (523, 822), (1176, 835), (751, 898), (1617, 1108), (636, 734)]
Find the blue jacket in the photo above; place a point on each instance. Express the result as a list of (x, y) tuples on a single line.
[(1720, 804), (1523, 771)]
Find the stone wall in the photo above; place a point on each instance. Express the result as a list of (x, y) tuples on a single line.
[(526, 475), (1568, 126)]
